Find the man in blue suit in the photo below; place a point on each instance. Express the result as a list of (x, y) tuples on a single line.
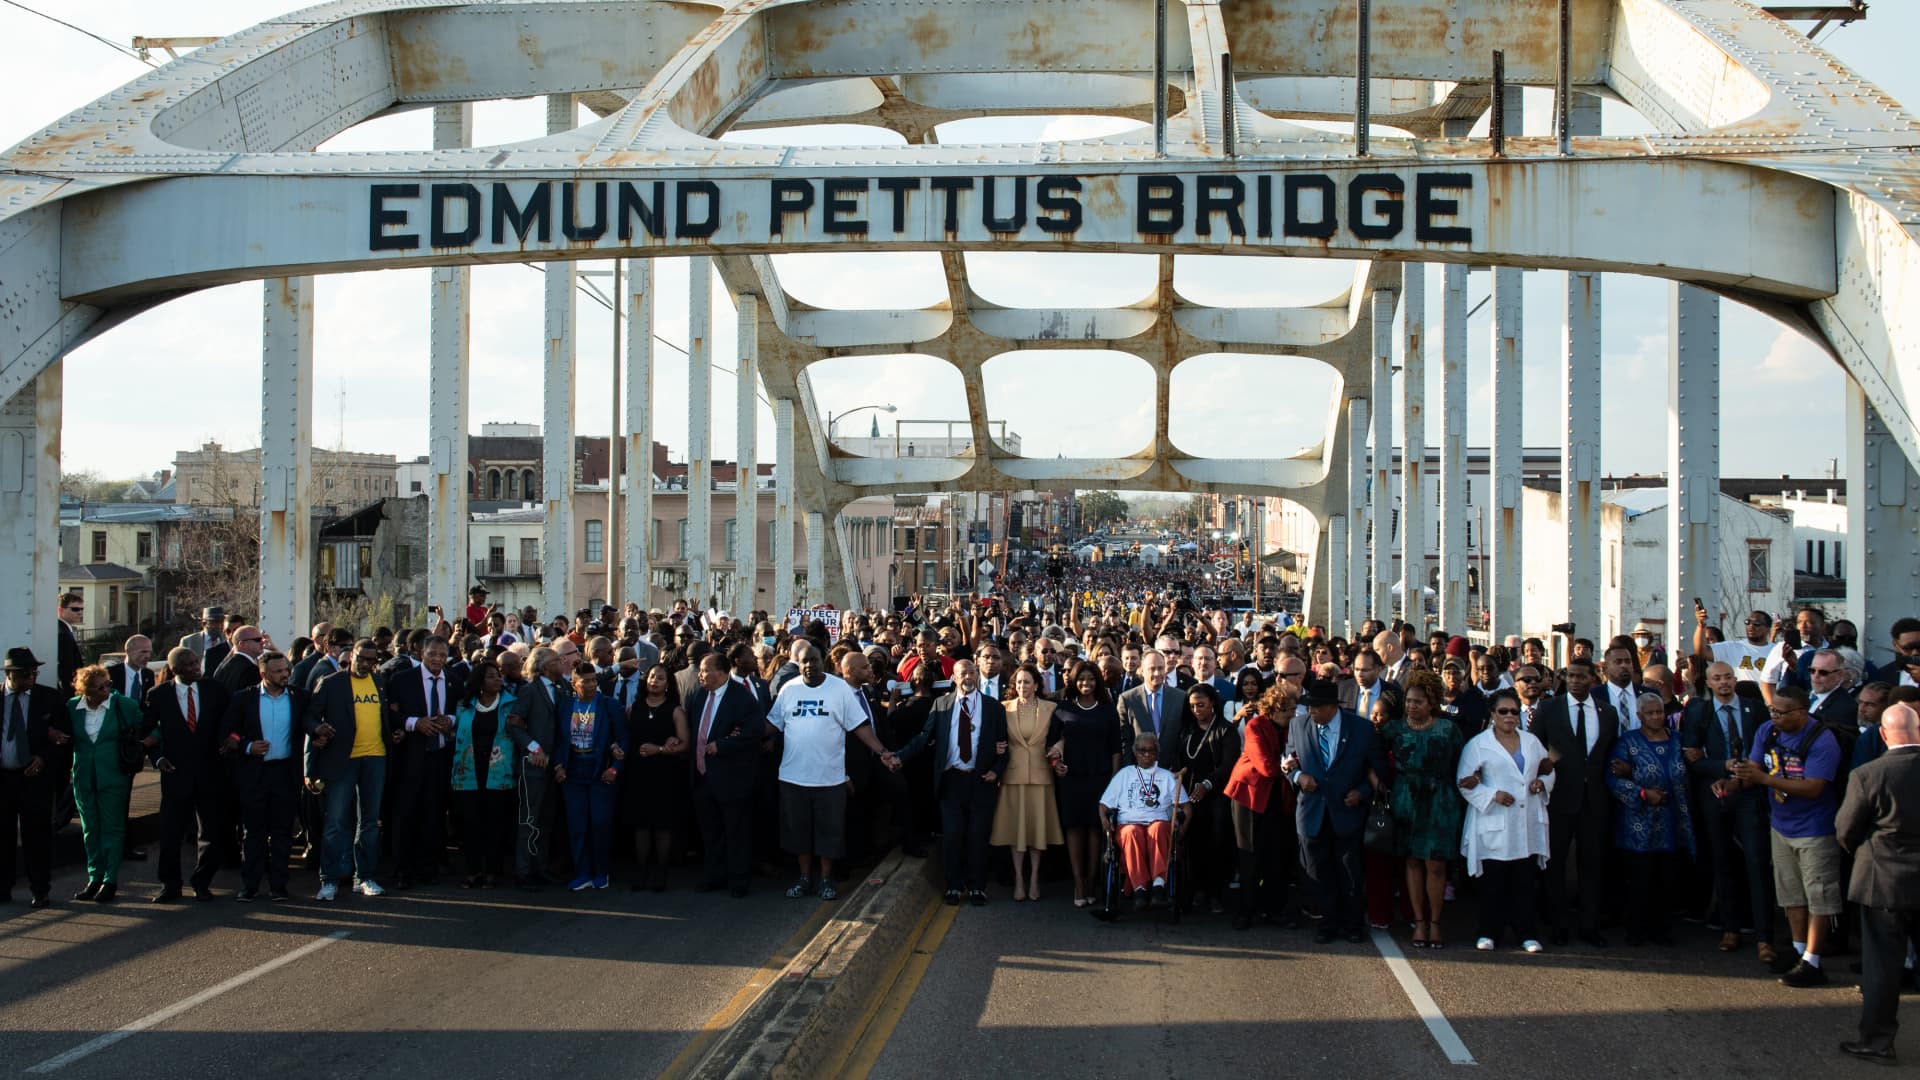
[(967, 733), (1328, 761), (727, 726)]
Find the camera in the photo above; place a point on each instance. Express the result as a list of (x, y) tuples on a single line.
[(1563, 628)]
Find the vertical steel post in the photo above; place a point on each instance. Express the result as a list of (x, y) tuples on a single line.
[(1413, 438), (1159, 78), (610, 546), (1563, 81), (29, 514), (746, 498), (556, 431), (1693, 461), (1497, 120), (699, 551), (1229, 117), (1883, 526), (286, 466), (638, 534), (783, 452), (1453, 450), (1335, 546), (1580, 469), (1357, 594), (817, 559), (448, 401), (1504, 473), (1363, 65), (1380, 504)]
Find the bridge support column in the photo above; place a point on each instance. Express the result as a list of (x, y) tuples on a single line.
[(782, 507), (746, 499), (816, 558), (1503, 481), (1883, 526), (1380, 497), (1580, 468), (699, 416), (30, 510), (448, 402), (1413, 440), (1333, 551), (286, 466), (1453, 450), (637, 498), (556, 430), (1356, 575), (1693, 462)]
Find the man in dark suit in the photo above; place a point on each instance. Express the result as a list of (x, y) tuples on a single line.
[(218, 647), (241, 667), (1831, 697), (1623, 686), (33, 740), (1466, 703), (687, 681), (1328, 761), (727, 726), (73, 611), (1359, 694), (746, 672), (186, 714), (536, 726), (967, 732), (263, 736), (1154, 705), (330, 656), (420, 705), (1879, 825), (347, 752), (1717, 728), (131, 676), (1579, 730)]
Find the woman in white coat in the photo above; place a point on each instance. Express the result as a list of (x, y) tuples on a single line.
[(1505, 835)]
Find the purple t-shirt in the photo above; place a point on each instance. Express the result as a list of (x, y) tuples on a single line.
[(1795, 817)]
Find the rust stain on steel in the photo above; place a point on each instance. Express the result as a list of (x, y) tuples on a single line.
[(1282, 37), (419, 68), (929, 33), (60, 145)]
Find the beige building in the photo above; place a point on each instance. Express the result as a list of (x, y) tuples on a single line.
[(216, 476)]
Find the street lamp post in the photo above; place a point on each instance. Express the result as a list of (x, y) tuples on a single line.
[(835, 418)]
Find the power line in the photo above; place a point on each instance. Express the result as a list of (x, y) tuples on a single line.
[(121, 49)]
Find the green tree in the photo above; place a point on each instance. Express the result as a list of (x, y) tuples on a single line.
[(1099, 507)]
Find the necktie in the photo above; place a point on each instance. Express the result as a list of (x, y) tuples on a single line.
[(17, 725), (1580, 724), (133, 682), (433, 705), (966, 733), (865, 707), (1733, 733), (1326, 744), (706, 728), (1627, 707), (1153, 704), (193, 713)]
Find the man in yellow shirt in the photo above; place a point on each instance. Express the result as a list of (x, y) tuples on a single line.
[(347, 753)]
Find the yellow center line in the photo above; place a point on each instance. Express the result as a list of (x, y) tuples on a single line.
[(893, 994), (717, 1024)]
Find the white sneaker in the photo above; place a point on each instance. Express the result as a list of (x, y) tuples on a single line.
[(1485, 944), (369, 887), (1533, 946), (329, 892)]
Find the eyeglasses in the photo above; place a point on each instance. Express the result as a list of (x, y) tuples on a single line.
[(1824, 671), (75, 607), (1788, 711), (1506, 712), (1527, 678)]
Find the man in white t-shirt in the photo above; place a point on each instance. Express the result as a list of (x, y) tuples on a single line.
[(1747, 657), (813, 714), (1140, 799)]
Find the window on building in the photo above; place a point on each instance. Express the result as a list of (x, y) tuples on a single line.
[(596, 540), (113, 604), (99, 546), (729, 530), (1808, 564), (496, 554), (1839, 563), (909, 539), (1758, 579), (530, 555), (527, 485), (493, 483), (929, 575), (414, 488), (930, 538), (513, 485), (143, 547)]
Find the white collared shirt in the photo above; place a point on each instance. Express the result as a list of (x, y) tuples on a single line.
[(181, 693), (972, 704)]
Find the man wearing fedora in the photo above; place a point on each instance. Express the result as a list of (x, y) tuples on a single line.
[(1328, 760), (33, 738), (213, 621)]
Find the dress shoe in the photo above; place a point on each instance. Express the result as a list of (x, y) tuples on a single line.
[(1729, 941), (952, 898), (40, 900), (1158, 897), (280, 896), (1594, 938), (92, 890), (1803, 976), (977, 898), (1560, 938), (1766, 952), (1868, 1053), (247, 896), (202, 894), (107, 893), (167, 895)]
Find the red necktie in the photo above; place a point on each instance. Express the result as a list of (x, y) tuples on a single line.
[(966, 733), (193, 713)]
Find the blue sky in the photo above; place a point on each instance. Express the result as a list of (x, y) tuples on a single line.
[(371, 332)]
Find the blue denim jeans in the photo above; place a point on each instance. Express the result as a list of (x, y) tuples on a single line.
[(350, 848)]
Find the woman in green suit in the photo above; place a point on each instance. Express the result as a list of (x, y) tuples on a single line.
[(101, 716)]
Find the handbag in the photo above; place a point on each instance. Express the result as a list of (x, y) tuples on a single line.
[(133, 754), (1379, 835)]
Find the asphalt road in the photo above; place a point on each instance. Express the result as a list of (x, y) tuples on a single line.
[(1016, 988), (434, 982)]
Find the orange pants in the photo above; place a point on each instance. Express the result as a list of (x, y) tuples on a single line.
[(1145, 851)]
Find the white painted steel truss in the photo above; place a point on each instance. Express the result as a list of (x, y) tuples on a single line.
[(1778, 178)]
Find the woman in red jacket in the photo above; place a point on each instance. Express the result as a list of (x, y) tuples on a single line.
[(1263, 827)]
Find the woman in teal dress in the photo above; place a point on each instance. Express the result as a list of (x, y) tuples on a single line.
[(1654, 823), (1427, 808), (100, 716)]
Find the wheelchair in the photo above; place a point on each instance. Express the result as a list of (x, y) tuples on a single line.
[(1114, 899)]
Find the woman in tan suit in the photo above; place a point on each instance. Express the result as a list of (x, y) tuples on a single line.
[(1026, 817)]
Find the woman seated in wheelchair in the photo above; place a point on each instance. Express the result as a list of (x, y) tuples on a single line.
[(1141, 801)]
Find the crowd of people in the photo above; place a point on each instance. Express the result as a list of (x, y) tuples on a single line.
[(1307, 778)]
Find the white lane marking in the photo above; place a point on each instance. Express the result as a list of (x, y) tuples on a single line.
[(1423, 1002), (178, 1007)]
